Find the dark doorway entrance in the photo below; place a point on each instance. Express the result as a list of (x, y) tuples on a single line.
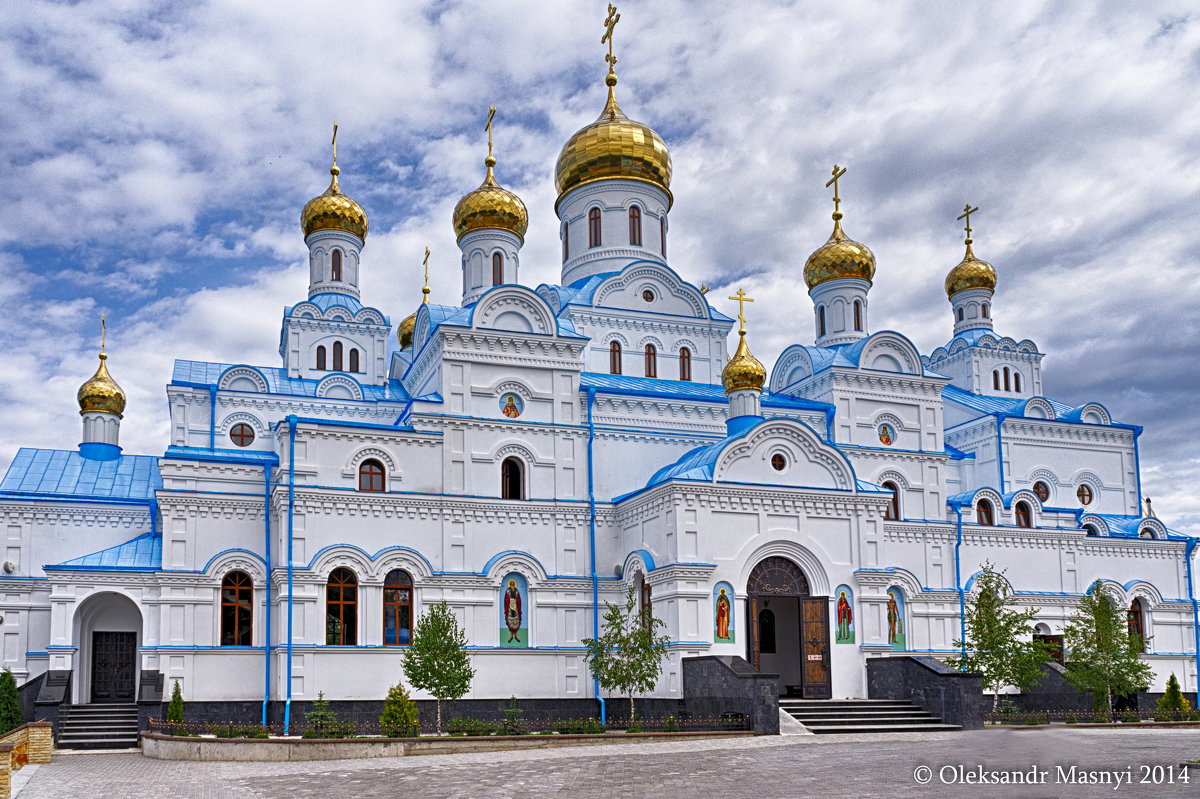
[(789, 630), (113, 662)]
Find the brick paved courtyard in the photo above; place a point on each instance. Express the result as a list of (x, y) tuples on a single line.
[(791, 766)]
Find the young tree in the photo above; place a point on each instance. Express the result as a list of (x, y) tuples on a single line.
[(437, 660), (10, 705), (999, 641), (1103, 658), (628, 655), (175, 710), (1172, 706), (399, 719)]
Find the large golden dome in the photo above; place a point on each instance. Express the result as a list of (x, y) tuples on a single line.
[(743, 370), (614, 146), (971, 273), (490, 206), (839, 257), (334, 211), (404, 333), (101, 393)]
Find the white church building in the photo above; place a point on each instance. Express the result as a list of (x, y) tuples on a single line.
[(528, 453)]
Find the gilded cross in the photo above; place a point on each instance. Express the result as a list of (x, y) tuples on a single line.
[(335, 127), (742, 299), (966, 214), (609, 24), (103, 331), (488, 127), (833, 181), (425, 288)]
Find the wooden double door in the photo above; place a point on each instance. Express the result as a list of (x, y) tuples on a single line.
[(789, 629), (113, 666)]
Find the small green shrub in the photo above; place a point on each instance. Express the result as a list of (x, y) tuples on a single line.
[(671, 724), (513, 723), (399, 719), (593, 727), (10, 704), (635, 723), (1130, 717), (320, 721), (175, 711), (1071, 719)]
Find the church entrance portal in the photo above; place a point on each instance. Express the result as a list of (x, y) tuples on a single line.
[(789, 630), (113, 666)]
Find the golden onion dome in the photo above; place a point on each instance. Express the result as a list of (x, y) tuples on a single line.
[(404, 333), (839, 257), (971, 273), (743, 370), (101, 393), (614, 146), (333, 210), (490, 206)]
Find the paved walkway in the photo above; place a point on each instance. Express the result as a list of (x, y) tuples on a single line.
[(833, 767)]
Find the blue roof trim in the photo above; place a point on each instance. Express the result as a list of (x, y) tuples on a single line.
[(202, 374), (67, 474), (265, 458), (362, 425), (330, 299), (646, 557), (143, 553), (487, 567), (687, 390), (957, 454)]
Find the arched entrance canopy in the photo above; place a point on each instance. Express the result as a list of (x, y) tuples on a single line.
[(789, 629)]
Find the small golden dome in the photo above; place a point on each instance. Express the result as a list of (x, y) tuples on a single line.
[(614, 146), (839, 257), (490, 206), (334, 211), (101, 393), (743, 370), (404, 333), (971, 273)]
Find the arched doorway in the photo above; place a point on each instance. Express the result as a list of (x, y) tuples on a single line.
[(108, 630), (789, 629)]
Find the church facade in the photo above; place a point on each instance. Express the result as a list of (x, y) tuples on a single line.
[(528, 453)]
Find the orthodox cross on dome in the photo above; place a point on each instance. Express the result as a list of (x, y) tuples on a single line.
[(966, 214), (335, 127), (425, 288), (741, 299), (609, 24), (103, 331), (488, 128), (837, 200)]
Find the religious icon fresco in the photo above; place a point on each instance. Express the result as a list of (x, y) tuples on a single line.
[(895, 618), (887, 434), (514, 607), (723, 613), (511, 405), (844, 614)]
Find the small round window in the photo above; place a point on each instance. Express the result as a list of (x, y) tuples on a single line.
[(648, 295), (778, 462), (1042, 490), (1085, 494), (242, 434)]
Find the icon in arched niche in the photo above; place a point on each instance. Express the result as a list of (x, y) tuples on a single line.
[(895, 618), (723, 613), (511, 405), (887, 434), (844, 615), (514, 604)]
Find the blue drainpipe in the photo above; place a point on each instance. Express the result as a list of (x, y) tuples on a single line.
[(212, 417), (962, 597), (591, 396), (267, 531), (1000, 450), (1191, 546), (287, 707)]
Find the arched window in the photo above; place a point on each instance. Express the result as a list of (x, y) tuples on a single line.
[(635, 226), (766, 631), (651, 365), (354, 360), (1006, 383), (986, 310), (594, 227), (497, 269), (984, 514), (646, 604), (821, 321), (662, 233), (321, 357), (512, 479), (892, 513), (778, 462), (341, 608), (1024, 515), (370, 475), (335, 273), (685, 363), (1084, 492), (566, 242), (337, 356), (1017, 381), (397, 608), (1090, 530), (1137, 629), (614, 358), (960, 314), (241, 434), (1146, 533), (857, 315), (237, 603), (1042, 490), (996, 380)]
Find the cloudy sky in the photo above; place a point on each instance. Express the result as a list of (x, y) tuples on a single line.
[(158, 155)]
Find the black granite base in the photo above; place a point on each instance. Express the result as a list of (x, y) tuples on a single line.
[(953, 696)]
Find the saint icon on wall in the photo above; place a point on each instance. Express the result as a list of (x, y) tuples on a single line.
[(887, 434), (723, 613), (895, 618), (515, 629), (511, 405), (844, 615)]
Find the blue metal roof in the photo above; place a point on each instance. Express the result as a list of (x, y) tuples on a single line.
[(992, 405), (143, 553), (583, 291), (327, 300), (207, 374), (67, 473), (687, 390)]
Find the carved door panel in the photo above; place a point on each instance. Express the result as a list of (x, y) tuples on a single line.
[(113, 661), (814, 647), (752, 647)]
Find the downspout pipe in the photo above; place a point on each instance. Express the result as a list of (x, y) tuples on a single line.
[(1000, 449), (212, 416), (287, 707), (962, 596), (591, 397), (1191, 547), (267, 534)]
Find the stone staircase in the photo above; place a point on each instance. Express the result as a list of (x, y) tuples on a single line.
[(98, 727), (845, 716)]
